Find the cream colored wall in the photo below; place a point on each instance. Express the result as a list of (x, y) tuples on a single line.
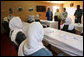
[(67, 5), (5, 5)]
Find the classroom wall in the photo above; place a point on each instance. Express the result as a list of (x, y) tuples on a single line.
[(72, 9), (5, 5)]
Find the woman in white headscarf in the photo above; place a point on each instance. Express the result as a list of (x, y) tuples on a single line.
[(16, 31), (33, 45), (30, 19), (15, 22), (6, 25), (37, 18), (67, 26)]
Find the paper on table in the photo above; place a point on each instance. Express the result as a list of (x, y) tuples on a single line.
[(68, 37), (65, 36), (48, 31)]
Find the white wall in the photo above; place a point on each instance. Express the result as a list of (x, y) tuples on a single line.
[(71, 11)]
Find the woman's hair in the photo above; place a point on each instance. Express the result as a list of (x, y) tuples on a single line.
[(48, 9), (64, 9)]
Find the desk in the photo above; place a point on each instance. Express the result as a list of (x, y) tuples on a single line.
[(69, 43), (78, 27), (52, 24)]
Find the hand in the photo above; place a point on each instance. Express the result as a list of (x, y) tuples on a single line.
[(50, 14), (75, 16)]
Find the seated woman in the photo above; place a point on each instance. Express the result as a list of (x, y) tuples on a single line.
[(16, 31), (6, 25), (33, 45), (30, 19), (67, 26), (37, 19)]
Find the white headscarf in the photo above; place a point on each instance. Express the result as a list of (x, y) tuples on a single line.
[(5, 19), (15, 22), (16, 26), (35, 37), (68, 22), (10, 17), (37, 17), (36, 31), (31, 18)]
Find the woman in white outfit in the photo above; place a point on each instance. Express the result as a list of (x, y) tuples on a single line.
[(16, 31), (68, 26), (37, 18), (30, 19), (33, 45)]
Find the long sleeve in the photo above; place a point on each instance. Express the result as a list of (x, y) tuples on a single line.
[(20, 37), (78, 13), (46, 14), (75, 13)]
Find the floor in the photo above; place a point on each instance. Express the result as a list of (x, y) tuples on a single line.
[(7, 47)]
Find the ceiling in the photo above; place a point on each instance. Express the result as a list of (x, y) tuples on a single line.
[(58, 2)]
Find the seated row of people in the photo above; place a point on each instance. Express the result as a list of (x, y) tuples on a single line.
[(31, 18), (31, 44), (7, 19), (67, 26), (37, 19)]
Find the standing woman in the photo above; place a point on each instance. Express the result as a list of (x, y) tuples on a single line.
[(49, 14), (33, 45), (57, 17), (64, 15)]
